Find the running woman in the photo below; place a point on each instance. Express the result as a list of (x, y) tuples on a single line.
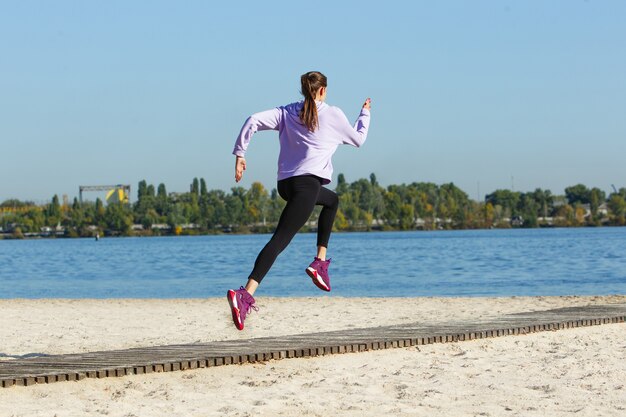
[(309, 133)]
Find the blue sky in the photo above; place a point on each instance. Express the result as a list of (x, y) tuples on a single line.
[(485, 94)]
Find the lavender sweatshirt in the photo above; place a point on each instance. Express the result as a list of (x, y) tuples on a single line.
[(301, 151)]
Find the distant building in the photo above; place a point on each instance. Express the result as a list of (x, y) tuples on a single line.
[(117, 195), (161, 226), (517, 221)]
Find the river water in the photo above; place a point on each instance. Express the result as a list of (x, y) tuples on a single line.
[(581, 261)]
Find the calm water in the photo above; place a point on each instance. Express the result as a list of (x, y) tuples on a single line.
[(456, 263)]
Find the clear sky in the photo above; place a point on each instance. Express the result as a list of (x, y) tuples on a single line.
[(485, 94)]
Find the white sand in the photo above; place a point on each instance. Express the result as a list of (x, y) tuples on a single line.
[(578, 372)]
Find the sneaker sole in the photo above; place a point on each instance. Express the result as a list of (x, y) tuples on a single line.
[(234, 308), (317, 280)]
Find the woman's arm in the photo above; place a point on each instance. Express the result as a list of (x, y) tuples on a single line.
[(265, 120), (356, 135)]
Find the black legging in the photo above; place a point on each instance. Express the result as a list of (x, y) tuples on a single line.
[(302, 194)]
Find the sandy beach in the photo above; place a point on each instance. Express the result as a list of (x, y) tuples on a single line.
[(578, 372)]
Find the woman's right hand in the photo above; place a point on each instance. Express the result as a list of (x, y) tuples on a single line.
[(240, 167), (368, 104)]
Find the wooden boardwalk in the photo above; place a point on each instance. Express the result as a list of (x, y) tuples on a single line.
[(74, 367)]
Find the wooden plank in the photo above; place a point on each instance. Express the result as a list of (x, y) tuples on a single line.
[(180, 357)]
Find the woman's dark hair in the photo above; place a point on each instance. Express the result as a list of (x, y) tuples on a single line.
[(311, 82)]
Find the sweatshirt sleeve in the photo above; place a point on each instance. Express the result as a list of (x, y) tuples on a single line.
[(265, 120), (355, 135)]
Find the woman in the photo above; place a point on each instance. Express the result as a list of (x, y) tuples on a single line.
[(309, 132)]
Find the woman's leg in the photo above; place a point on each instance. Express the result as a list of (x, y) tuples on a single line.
[(251, 286), (301, 194), (330, 202), (318, 269)]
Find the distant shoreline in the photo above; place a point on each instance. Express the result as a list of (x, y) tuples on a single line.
[(249, 231), (364, 205)]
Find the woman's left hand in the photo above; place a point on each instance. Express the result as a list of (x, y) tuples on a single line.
[(240, 167)]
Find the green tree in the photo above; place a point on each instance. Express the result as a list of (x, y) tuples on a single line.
[(507, 199), (149, 218), (276, 206), (76, 219), (565, 216), (146, 204), (32, 220), (162, 204), (142, 189), (213, 209), (342, 186), (195, 187), (617, 207), (528, 209), (162, 192), (407, 217), (545, 199), (192, 209), (99, 212), (426, 202), (258, 203), (373, 180), (363, 195), (236, 206), (578, 193), (456, 201), (393, 204), (341, 223), (176, 216), (350, 209), (119, 218), (15, 203), (53, 212), (596, 198), (488, 215)]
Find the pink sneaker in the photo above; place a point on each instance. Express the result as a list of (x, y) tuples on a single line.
[(241, 302), (318, 271)]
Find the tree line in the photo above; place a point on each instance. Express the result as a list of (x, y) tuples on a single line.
[(364, 205)]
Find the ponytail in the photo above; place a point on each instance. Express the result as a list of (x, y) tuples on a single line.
[(311, 82)]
